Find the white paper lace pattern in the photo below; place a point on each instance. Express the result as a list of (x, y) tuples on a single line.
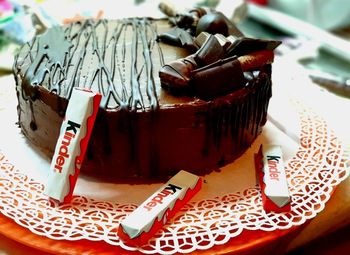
[(319, 165)]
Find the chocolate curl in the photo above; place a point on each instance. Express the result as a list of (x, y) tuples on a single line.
[(176, 75), (213, 23), (217, 79), (210, 52), (203, 37)]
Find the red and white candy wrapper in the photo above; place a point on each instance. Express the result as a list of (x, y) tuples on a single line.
[(72, 144), (272, 178), (138, 227)]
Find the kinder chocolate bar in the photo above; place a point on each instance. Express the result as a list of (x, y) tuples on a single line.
[(152, 214), (72, 143), (272, 178)]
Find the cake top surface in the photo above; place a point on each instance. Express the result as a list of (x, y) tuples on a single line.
[(127, 62), (118, 58)]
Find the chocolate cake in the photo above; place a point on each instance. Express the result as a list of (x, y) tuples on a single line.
[(169, 101)]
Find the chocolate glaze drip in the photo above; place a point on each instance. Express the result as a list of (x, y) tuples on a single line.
[(89, 55), (146, 43)]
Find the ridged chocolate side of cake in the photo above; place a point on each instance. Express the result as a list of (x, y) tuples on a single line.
[(141, 130)]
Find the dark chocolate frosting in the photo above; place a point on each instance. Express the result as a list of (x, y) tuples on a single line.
[(141, 130), (98, 55)]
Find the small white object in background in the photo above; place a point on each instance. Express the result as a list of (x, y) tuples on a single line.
[(235, 10), (334, 45), (6, 57), (329, 15)]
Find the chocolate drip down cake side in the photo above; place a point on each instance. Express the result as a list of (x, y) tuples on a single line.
[(186, 92)]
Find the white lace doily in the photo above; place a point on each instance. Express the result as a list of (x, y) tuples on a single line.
[(318, 166)]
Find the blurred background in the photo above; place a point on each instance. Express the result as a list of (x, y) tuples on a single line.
[(315, 34)]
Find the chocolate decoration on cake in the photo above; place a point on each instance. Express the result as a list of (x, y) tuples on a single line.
[(218, 79), (55, 53), (178, 37), (142, 131), (213, 23), (176, 75), (214, 44), (210, 52), (213, 71)]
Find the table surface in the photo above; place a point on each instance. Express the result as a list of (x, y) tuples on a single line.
[(333, 217)]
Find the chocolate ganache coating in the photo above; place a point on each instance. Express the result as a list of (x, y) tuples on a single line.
[(141, 131)]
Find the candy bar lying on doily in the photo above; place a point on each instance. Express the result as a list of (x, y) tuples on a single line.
[(138, 227)]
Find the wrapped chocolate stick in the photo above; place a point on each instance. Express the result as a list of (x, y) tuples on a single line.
[(272, 178), (72, 144), (138, 227), (244, 45), (214, 79)]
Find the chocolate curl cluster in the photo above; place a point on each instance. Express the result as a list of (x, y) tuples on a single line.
[(217, 67)]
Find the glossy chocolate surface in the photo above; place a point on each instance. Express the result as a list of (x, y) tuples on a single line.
[(142, 131)]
